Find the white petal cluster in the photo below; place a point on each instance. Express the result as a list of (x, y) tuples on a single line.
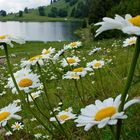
[(72, 61), (25, 79), (129, 41), (64, 116), (96, 64), (103, 112), (119, 23), (8, 113), (9, 39), (73, 45)]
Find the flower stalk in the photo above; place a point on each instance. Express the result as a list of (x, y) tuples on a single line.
[(128, 84), (45, 90), (9, 66)]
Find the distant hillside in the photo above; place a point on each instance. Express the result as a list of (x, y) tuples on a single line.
[(56, 11)]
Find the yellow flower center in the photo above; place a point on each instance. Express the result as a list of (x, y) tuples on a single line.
[(4, 115), (98, 64), (35, 57), (47, 52), (75, 76), (17, 126), (71, 60), (78, 69), (105, 112), (132, 41), (63, 117), (135, 21), (3, 36), (73, 44), (26, 82)]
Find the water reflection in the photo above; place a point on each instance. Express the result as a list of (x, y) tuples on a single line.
[(41, 31)]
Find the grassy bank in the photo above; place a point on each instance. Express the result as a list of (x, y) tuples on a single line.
[(109, 82), (36, 18)]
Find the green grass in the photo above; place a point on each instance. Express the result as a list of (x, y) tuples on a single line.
[(109, 84)]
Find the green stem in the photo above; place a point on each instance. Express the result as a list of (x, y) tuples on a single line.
[(128, 84), (35, 103), (9, 66), (11, 73), (45, 90), (78, 91), (39, 120)]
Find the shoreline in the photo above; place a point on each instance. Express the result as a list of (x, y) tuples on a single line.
[(41, 19)]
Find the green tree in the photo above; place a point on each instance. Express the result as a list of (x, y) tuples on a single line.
[(20, 13), (3, 13), (41, 11), (53, 12), (26, 10), (62, 13)]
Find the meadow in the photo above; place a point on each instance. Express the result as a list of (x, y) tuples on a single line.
[(108, 81)]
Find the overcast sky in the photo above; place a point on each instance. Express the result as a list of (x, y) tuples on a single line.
[(16, 5)]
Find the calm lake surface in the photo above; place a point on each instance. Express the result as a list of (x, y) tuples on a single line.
[(41, 31)]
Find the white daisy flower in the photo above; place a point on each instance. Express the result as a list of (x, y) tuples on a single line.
[(58, 54), (17, 126), (32, 61), (129, 41), (71, 75), (64, 115), (34, 95), (72, 61), (129, 24), (47, 53), (25, 80), (9, 133), (96, 64), (8, 113), (9, 39), (81, 71), (73, 45), (103, 112), (94, 51), (38, 135)]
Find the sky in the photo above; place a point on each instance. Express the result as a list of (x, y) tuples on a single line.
[(16, 5)]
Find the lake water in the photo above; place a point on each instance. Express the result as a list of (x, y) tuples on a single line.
[(41, 31)]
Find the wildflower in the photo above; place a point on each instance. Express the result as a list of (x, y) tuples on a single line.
[(38, 135), (73, 45), (17, 101), (103, 113), (8, 113), (58, 54), (9, 39), (17, 126), (71, 75), (129, 24), (33, 61), (72, 61), (47, 53), (25, 80), (94, 51), (64, 115), (129, 41), (33, 119), (34, 95), (9, 133), (96, 64)]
